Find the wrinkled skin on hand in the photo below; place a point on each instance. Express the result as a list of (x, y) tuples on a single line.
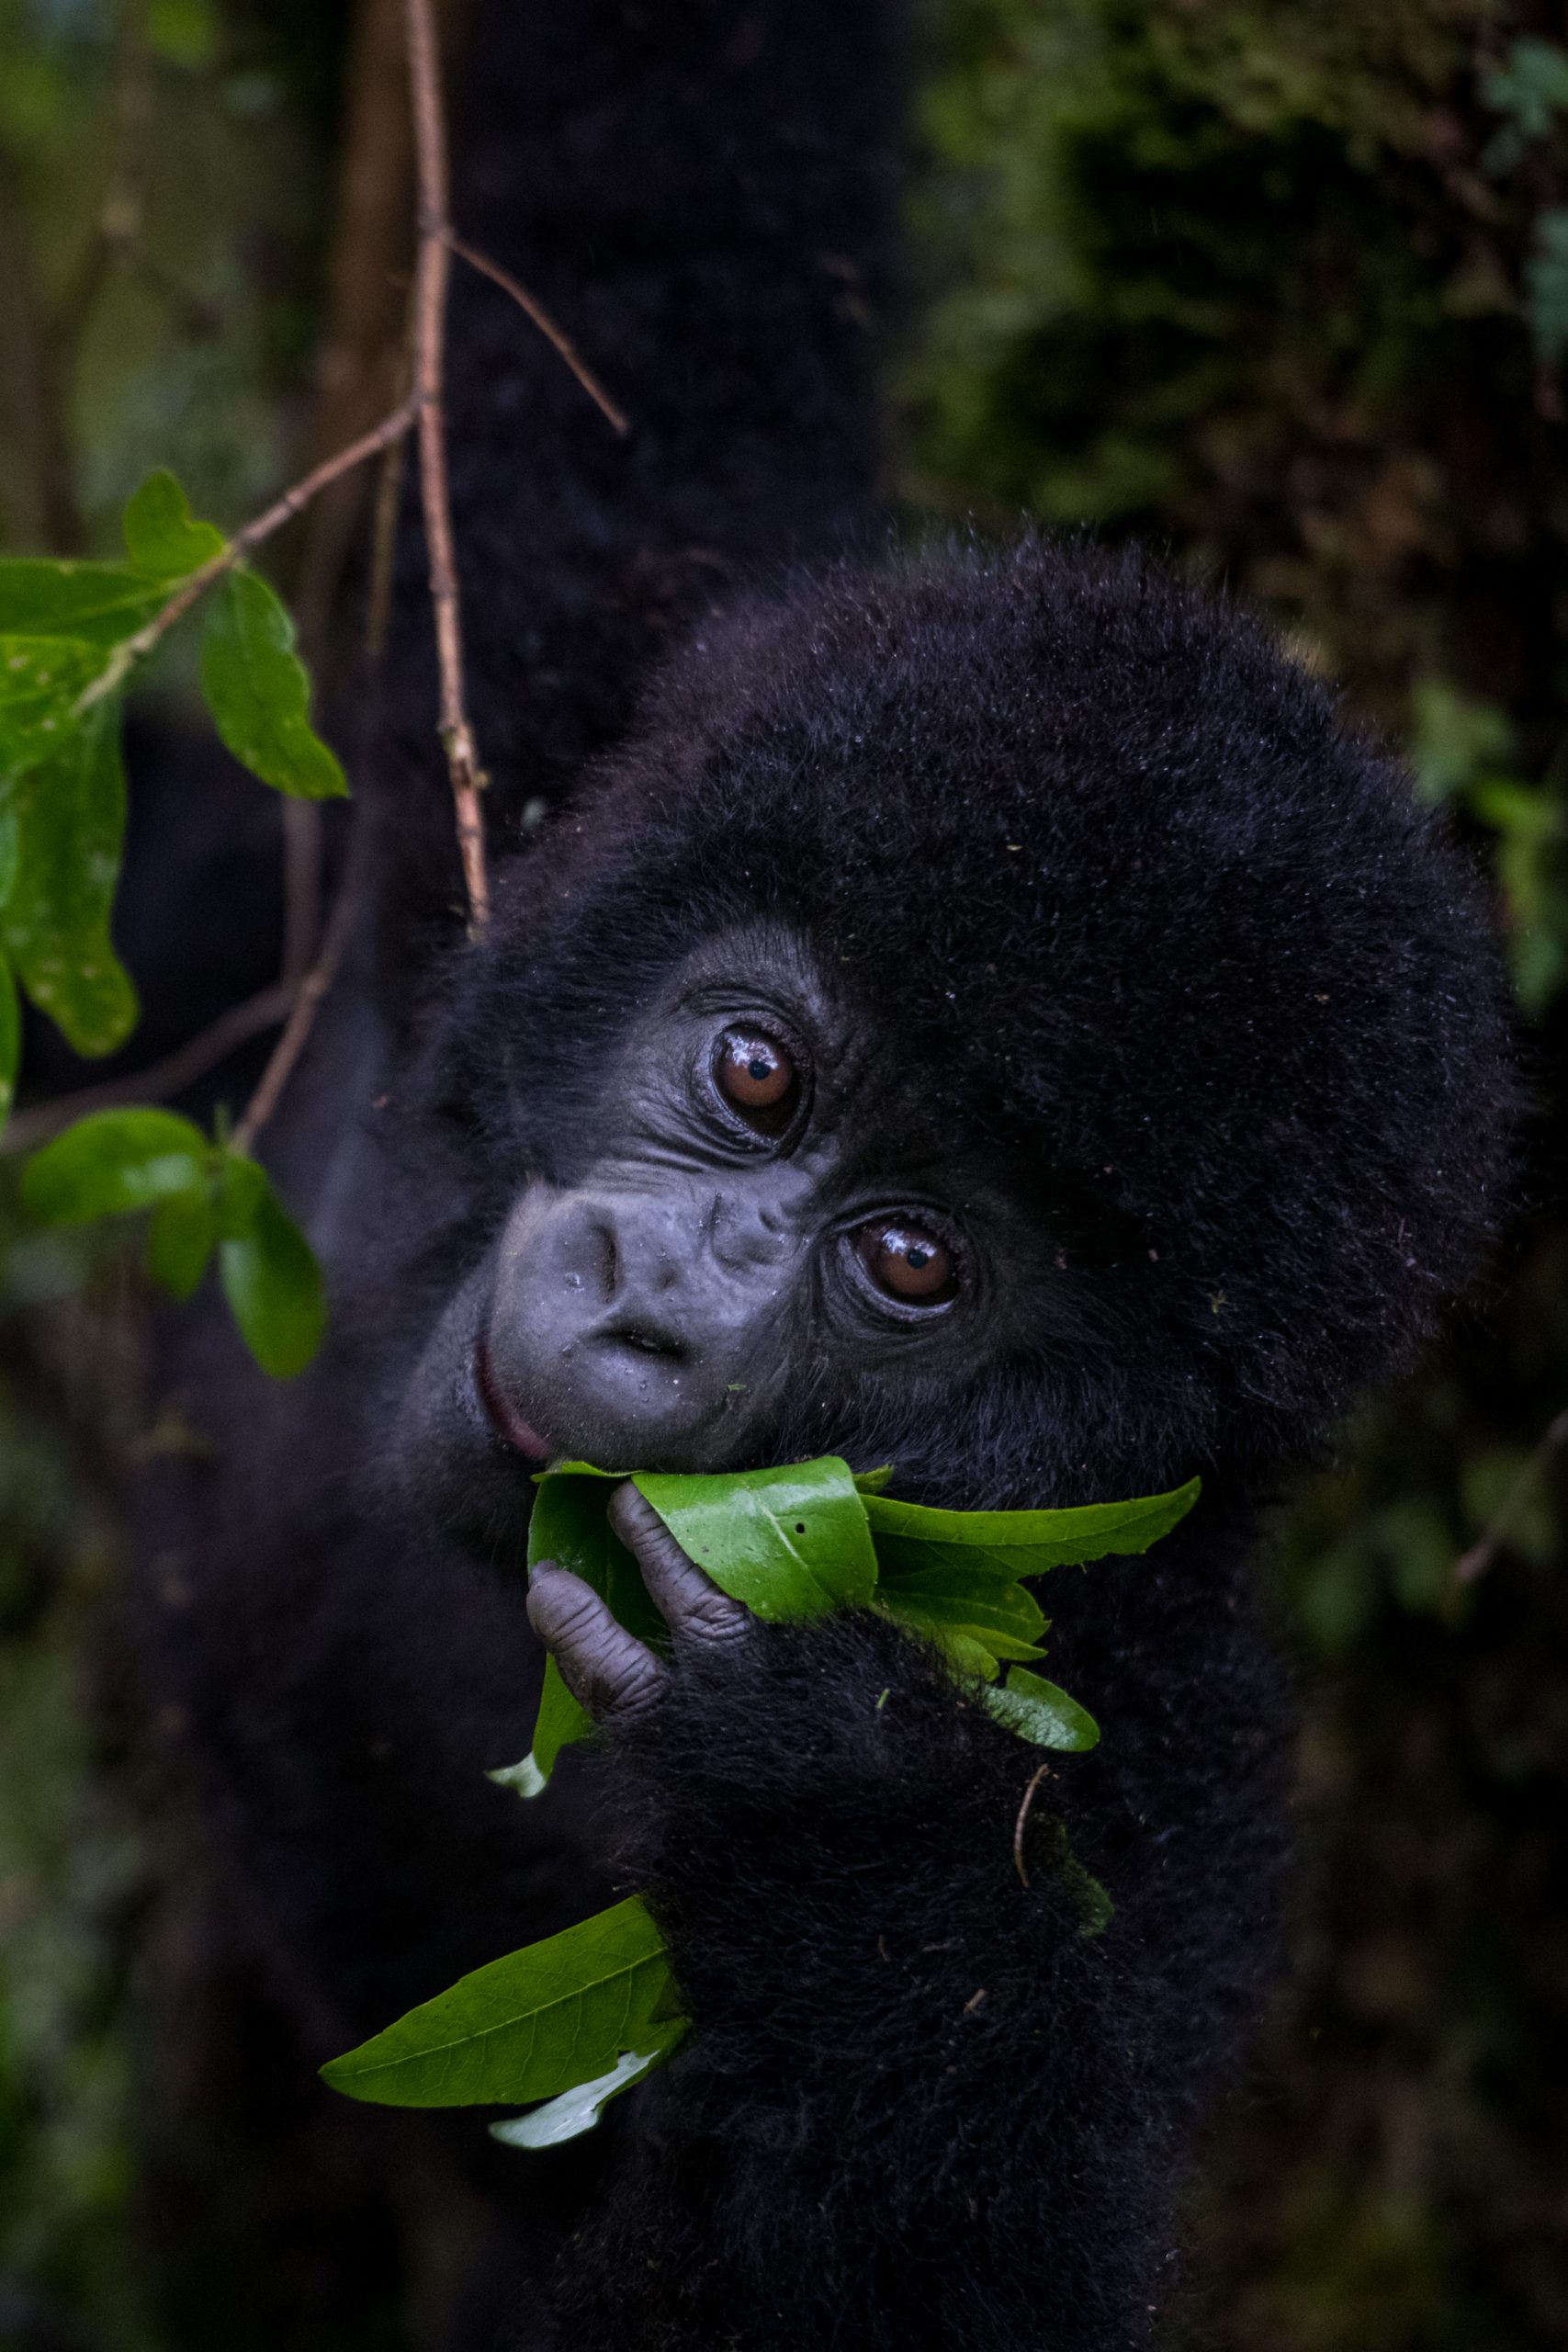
[(608, 1670)]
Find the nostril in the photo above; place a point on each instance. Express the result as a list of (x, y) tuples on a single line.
[(609, 1257)]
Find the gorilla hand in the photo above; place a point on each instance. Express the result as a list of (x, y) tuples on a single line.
[(608, 1670)]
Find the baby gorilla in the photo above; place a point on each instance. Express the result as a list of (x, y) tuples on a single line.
[(989, 1018)]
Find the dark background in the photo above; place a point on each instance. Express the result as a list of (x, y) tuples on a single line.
[(1286, 289)]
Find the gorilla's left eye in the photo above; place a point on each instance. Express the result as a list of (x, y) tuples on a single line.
[(757, 1076), (907, 1262)]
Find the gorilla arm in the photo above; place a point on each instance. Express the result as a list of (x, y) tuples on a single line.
[(921, 2105)]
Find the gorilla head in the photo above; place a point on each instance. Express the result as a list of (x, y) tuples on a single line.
[(993, 1017)]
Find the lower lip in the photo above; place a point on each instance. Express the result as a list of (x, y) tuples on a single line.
[(507, 1423)]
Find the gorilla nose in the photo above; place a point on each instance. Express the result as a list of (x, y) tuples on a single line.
[(628, 1326)]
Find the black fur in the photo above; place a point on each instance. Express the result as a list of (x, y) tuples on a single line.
[(1143, 931)]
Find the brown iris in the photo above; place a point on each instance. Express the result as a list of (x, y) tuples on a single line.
[(908, 1262), (754, 1072)]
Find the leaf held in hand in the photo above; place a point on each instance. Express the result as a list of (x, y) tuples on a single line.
[(1023, 1543), (576, 2111), (273, 1285), (71, 821), (560, 1722), (791, 1543), (112, 1162), (259, 692), (162, 536), (1041, 1714), (539, 2022), (569, 1525)]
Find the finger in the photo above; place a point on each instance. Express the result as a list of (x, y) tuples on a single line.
[(607, 1670), (684, 1595)]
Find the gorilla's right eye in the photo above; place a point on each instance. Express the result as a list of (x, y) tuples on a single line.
[(757, 1076)]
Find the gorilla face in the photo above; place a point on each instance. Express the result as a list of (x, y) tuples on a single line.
[(752, 1212)]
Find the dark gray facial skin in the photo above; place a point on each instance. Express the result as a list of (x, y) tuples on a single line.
[(694, 1258)]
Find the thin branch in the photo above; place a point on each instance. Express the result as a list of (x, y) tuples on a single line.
[(1022, 1821), (301, 886), (535, 310), (282, 510), (430, 309), (307, 1004), (160, 1080), (1480, 1557)]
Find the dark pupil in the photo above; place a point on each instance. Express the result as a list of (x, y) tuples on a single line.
[(758, 1069), (919, 1257)]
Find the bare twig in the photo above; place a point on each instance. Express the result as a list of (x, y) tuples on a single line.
[(1481, 1554), (1022, 1822), (135, 649), (429, 311), (301, 886), (160, 1079), (307, 1004), (535, 309)]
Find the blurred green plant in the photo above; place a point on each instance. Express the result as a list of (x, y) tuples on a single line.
[(1463, 750), (73, 635)]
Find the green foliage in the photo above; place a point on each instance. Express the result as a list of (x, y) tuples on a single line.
[(202, 1195), (69, 643), (1531, 90), (555, 2018), (273, 1285), (258, 692), (795, 1541), (1462, 753), (70, 816), (791, 1543), (101, 603), (161, 537), (578, 2018)]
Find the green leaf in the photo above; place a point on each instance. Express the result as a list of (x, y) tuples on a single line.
[(578, 2110), (273, 1285), (242, 1187), (70, 822), (10, 845), (569, 1525), (791, 1543), (545, 2020), (180, 1235), (259, 692), (161, 537), (10, 1039), (41, 679), (112, 1162), (1546, 286), (525, 1778), (1038, 1712), (560, 1722), (991, 1610), (103, 601), (1019, 1543)]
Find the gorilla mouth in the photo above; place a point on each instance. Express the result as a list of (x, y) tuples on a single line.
[(504, 1417)]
